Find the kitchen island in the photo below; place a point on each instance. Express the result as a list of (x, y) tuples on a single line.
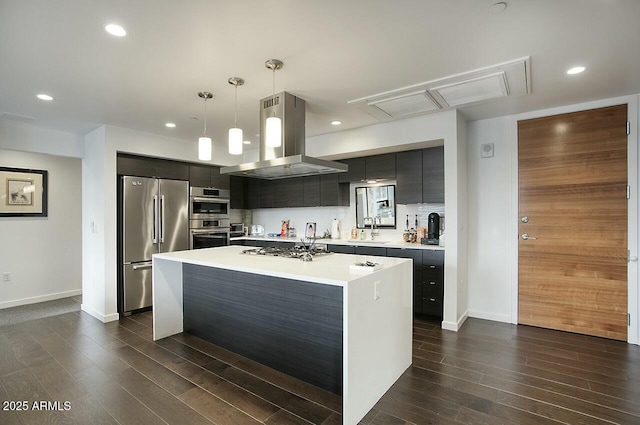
[(343, 330)]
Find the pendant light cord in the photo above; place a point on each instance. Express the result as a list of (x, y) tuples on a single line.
[(273, 96), (205, 116), (235, 108)]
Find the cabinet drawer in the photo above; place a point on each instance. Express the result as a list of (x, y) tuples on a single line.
[(342, 249), (433, 290), (433, 271), (432, 305)]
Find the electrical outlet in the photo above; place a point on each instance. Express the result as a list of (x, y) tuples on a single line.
[(6, 277)]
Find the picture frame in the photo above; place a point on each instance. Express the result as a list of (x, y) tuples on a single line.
[(23, 192)]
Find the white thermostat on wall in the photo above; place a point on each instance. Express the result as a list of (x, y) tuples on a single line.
[(486, 150)]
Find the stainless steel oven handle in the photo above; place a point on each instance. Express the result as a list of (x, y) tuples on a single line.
[(142, 266), (206, 199), (222, 230)]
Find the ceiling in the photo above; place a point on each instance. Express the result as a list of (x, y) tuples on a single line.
[(334, 51)]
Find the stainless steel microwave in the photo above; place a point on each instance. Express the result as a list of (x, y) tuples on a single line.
[(208, 203)]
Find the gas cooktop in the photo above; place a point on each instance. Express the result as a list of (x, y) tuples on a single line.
[(295, 252)]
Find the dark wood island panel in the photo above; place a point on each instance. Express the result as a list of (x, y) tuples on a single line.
[(290, 325)]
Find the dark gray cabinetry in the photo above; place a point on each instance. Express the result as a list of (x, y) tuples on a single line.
[(293, 191), (356, 172), (432, 282), (409, 177), (332, 193), (208, 176), (371, 250), (342, 249), (416, 256), (239, 193), (290, 325), (433, 175), (266, 193), (264, 243), (139, 166), (253, 193), (311, 191), (380, 166)]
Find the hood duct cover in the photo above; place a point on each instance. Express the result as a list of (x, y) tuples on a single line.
[(289, 159)]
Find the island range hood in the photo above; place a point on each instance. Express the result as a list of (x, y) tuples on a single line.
[(288, 159)]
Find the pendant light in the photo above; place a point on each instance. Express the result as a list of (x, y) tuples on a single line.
[(273, 126), (204, 142), (235, 133)]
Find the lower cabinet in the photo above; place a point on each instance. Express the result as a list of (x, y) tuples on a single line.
[(371, 250), (416, 256), (428, 273), (342, 249), (432, 282)]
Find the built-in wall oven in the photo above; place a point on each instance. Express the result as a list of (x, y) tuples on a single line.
[(208, 203), (208, 217)]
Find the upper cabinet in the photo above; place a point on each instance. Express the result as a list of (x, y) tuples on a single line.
[(433, 175), (409, 177), (420, 176), (140, 166), (356, 171), (380, 167), (208, 176)]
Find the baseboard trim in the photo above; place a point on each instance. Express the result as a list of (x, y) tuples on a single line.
[(40, 298), (101, 317), (455, 327), (496, 317)]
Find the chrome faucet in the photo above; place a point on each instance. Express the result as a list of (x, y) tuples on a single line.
[(375, 231)]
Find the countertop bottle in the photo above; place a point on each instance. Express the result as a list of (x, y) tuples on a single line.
[(363, 236)]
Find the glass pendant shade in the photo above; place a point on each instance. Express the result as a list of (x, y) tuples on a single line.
[(204, 149), (274, 132), (235, 141)]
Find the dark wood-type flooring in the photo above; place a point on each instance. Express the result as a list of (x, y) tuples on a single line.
[(488, 373)]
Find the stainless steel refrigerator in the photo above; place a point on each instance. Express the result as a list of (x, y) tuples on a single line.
[(154, 219)]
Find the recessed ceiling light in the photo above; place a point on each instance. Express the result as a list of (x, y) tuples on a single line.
[(115, 29), (247, 142), (336, 122), (43, 96), (576, 70), (170, 125)]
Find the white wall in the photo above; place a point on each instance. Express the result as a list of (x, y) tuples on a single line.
[(43, 254), (493, 213), (20, 136)]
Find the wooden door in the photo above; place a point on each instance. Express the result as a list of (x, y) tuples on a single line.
[(573, 192)]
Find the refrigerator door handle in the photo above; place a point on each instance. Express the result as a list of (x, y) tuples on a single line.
[(155, 219), (142, 266), (162, 219)]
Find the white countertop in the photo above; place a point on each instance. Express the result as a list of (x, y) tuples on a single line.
[(354, 242), (332, 269)]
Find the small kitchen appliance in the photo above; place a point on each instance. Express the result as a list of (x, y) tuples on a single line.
[(433, 230)]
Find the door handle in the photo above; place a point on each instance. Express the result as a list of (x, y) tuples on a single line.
[(526, 237), (143, 266), (155, 219), (162, 219)]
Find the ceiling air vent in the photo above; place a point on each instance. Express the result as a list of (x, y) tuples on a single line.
[(409, 104), (481, 85), (474, 90)]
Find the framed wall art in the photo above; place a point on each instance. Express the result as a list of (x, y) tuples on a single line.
[(23, 192)]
